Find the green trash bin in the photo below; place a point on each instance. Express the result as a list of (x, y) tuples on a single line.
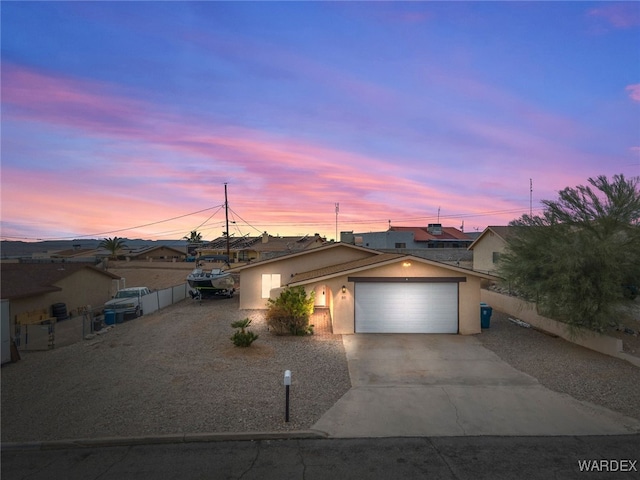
[(485, 315)]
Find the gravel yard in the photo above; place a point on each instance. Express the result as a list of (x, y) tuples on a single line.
[(176, 371), (565, 367)]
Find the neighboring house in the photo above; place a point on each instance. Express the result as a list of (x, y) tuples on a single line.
[(160, 253), (434, 242), (410, 238), (488, 247), (35, 286), (75, 254), (367, 291), (248, 249)]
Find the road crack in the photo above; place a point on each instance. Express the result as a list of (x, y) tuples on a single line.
[(456, 410)]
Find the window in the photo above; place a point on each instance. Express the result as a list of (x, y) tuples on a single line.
[(269, 281), (496, 257), (401, 245)]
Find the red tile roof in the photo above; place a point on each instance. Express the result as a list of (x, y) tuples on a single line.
[(421, 234)]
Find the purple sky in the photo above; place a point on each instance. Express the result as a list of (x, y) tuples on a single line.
[(127, 118)]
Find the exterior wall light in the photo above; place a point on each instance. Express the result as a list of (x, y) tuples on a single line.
[(406, 264), (344, 289)]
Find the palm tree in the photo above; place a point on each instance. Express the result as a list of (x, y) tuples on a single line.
[(113, 245), (194, 237), (194, 240)]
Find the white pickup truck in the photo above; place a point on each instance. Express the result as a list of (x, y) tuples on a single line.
[(128, 301)]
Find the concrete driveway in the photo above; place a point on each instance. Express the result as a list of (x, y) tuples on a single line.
[(450, 385)]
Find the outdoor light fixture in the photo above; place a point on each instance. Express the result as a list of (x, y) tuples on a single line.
[(406, 264), (344, 289)]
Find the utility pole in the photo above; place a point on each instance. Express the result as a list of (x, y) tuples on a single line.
[(530, 197), (226, 216), (337, 210)]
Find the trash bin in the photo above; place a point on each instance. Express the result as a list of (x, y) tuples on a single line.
[(485, 315), (97, 324), (119, 317), (109, 317)]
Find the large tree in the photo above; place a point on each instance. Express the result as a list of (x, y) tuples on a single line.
[(575, 259), (113, 245)]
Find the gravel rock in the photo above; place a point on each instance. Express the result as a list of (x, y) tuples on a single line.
[(175, 371), (565, 367)]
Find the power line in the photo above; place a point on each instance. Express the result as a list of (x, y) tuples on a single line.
[(93, 235), (271, 224)]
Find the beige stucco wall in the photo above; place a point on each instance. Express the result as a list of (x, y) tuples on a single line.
[(251, 278), (85, 287), (483, 252), (342, 306), (526, 311)]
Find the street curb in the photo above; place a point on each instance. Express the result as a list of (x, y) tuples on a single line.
[(162, 439)]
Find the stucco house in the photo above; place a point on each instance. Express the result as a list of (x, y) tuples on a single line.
[(411, 238), (161, 253), (248, 249), (488, 247), (30, 286), (367, 291)]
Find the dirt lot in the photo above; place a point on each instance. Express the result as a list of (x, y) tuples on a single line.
[(154, 275)]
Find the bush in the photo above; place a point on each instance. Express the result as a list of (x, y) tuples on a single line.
[(289, 313), (243, 337)]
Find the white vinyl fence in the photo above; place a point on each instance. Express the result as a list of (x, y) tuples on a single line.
[(163, 298)]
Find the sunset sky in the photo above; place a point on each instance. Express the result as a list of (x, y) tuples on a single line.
[(127, 118)]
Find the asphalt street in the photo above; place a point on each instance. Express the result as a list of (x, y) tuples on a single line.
[(493, 457)]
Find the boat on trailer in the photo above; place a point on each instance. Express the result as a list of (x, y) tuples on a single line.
[(214, 283)]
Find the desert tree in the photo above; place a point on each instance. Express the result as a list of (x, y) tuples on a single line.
[(575, 259), (112, 245)]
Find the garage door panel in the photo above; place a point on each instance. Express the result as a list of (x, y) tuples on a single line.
[(406, 307)]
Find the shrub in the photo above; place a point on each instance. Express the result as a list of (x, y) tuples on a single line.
[(289, 313), (243, 337)]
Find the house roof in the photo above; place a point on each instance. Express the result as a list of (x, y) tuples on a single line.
[(322, 248), (502, 231), (372, 262), (272, 244), (75, 252), (421, 234), (21, 280), (332, 270), (146, 250)]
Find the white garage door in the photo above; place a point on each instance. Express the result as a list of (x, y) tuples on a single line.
[(406, 307)]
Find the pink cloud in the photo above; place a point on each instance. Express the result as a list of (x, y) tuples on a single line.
[(176, 165), (618, 15), (287, 176), (634, 91), (87, 105)]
